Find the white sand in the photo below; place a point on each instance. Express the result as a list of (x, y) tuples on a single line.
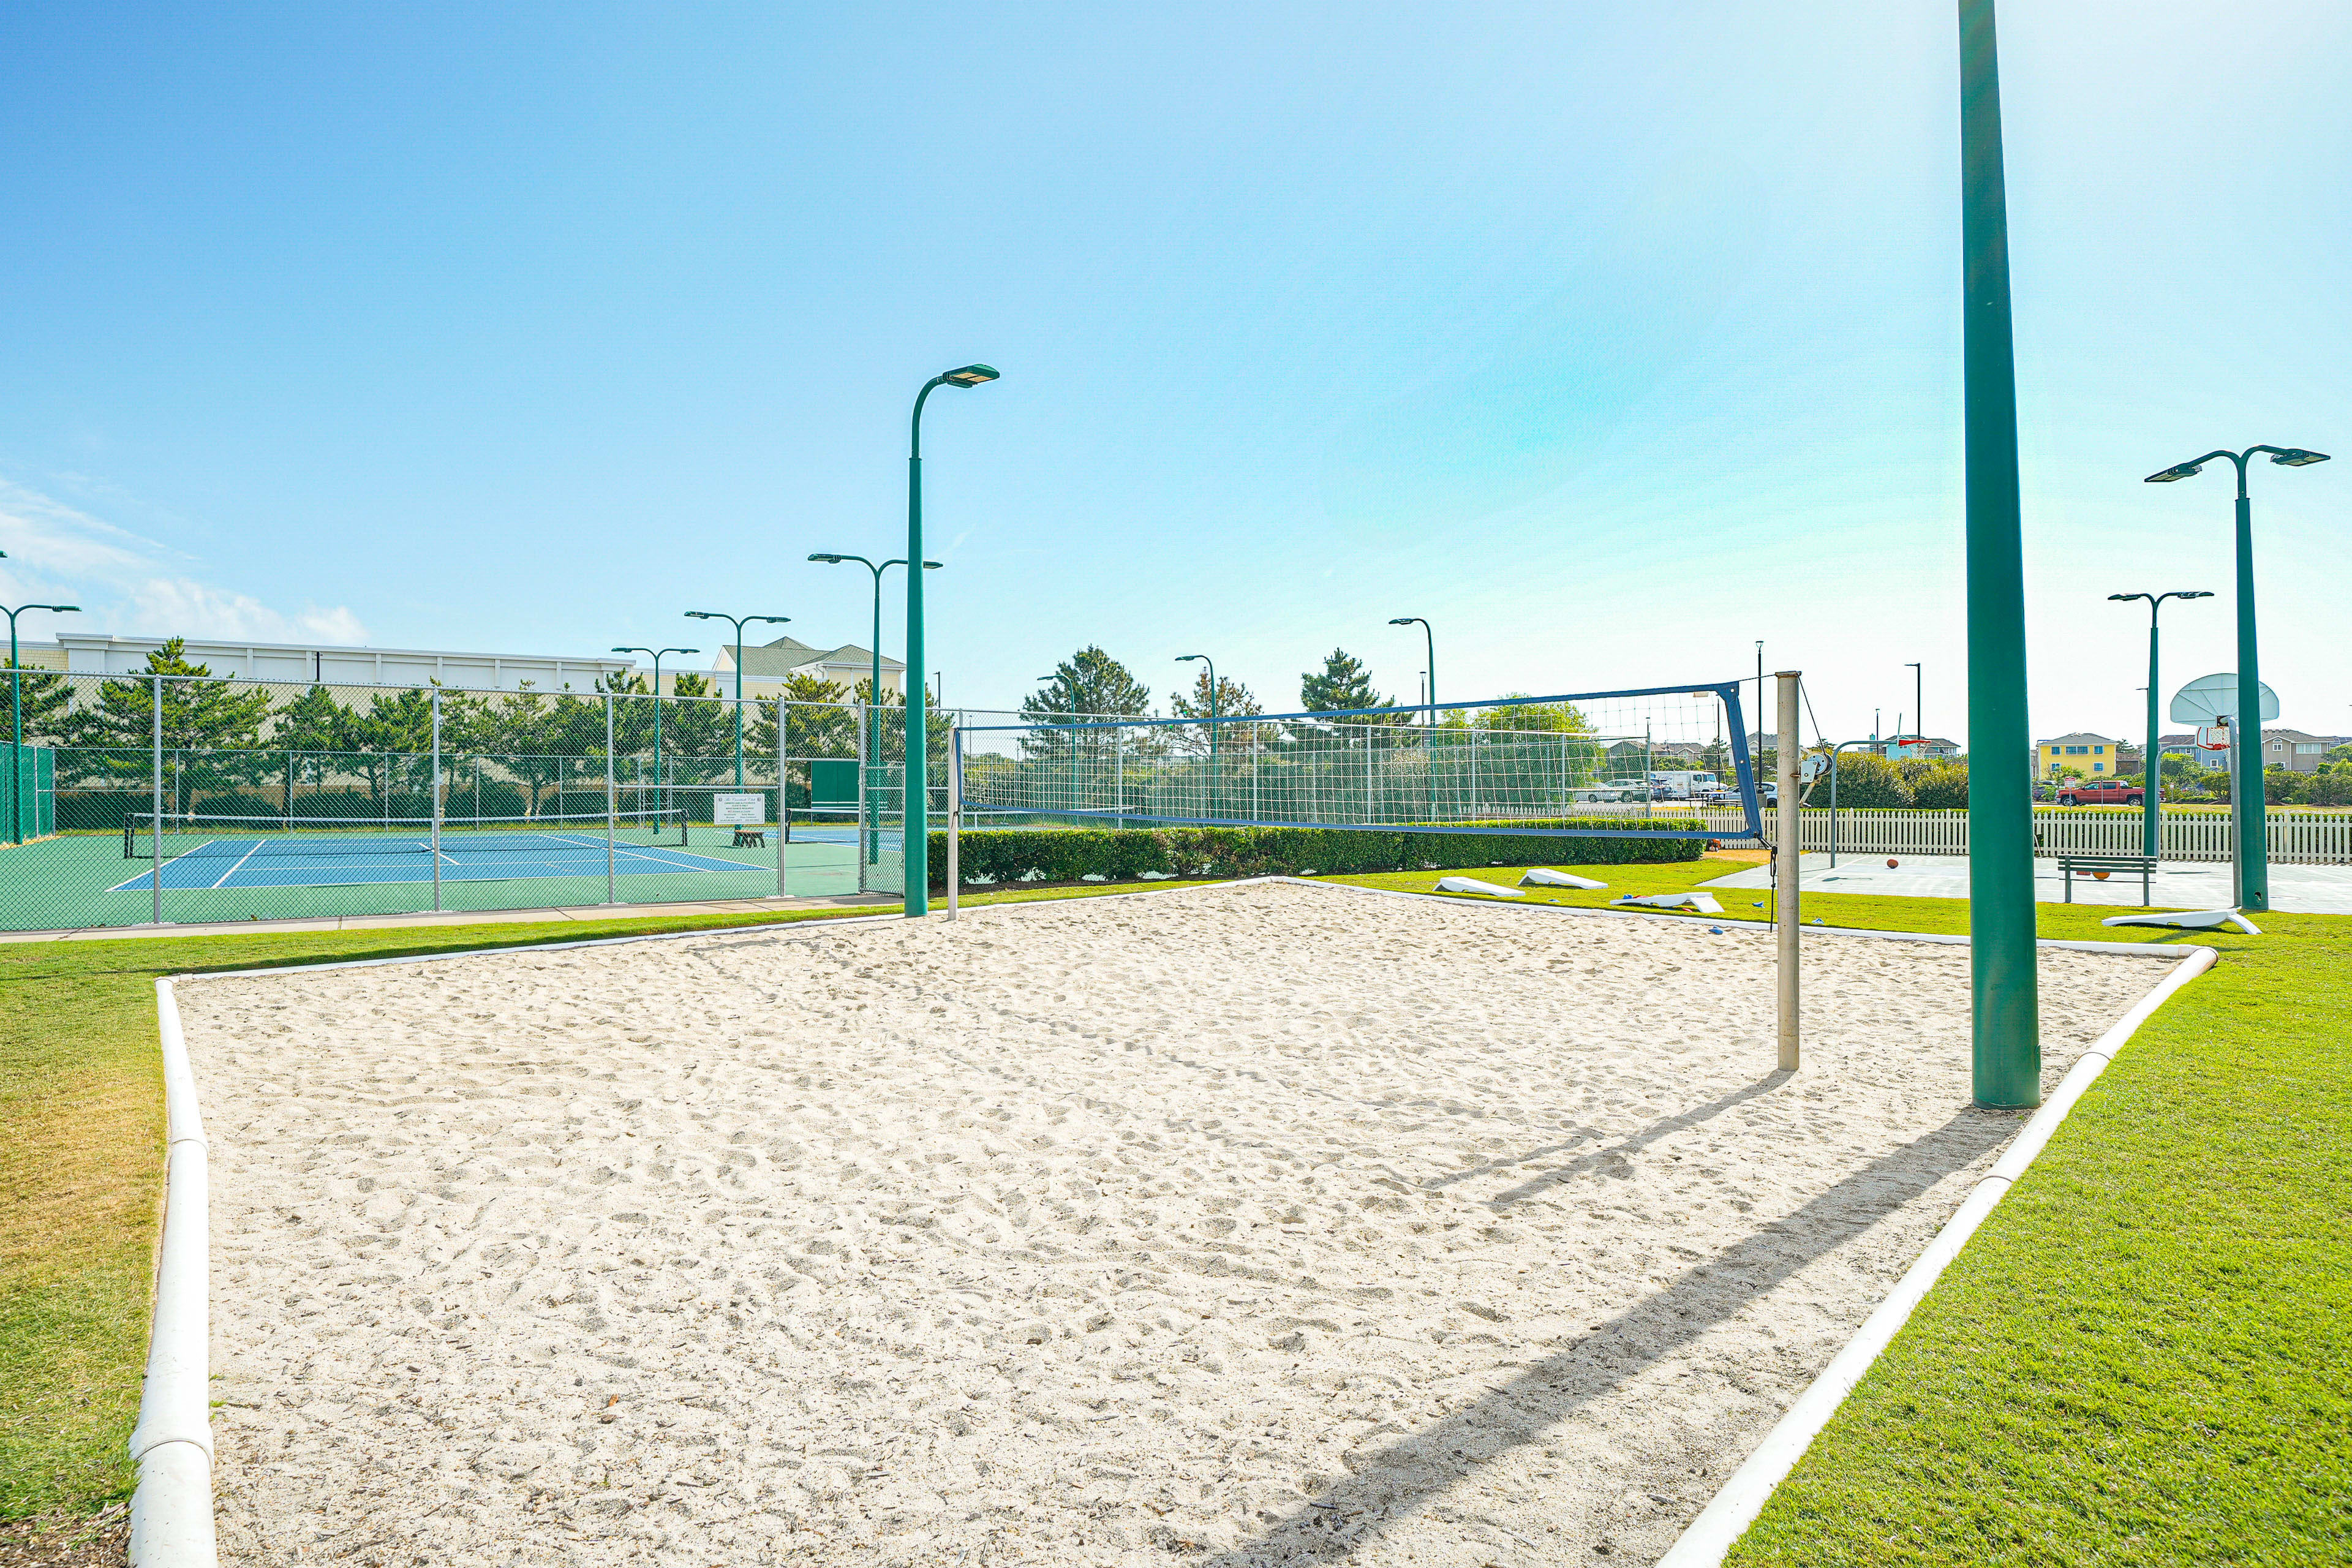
[(1235, 1225)]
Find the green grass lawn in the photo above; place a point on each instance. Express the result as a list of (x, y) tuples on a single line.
[(2138, 1359), (2145, 1356)]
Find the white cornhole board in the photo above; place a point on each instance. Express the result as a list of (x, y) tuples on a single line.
[(1545, 877), (739, 810), (2188, 920), (1702, 902), (1472, 884)]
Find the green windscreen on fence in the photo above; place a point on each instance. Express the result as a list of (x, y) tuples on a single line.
[(28, 775)]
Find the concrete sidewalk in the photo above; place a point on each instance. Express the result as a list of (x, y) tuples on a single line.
[(460, 918), (2178, 884)]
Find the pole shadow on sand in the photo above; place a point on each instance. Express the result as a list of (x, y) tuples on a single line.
[(1392, 1481)]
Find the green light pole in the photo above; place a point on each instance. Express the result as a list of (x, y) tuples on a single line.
[(739, 622), (2005, 1013), (873, 726), (17, 706), (2246, 789), (661, 792), (915, 834), (1204, 658), (2151, 771)]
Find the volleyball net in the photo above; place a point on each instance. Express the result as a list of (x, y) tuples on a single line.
[(1574, 765)]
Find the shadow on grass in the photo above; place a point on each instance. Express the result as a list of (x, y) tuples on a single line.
[(1413, 1469)]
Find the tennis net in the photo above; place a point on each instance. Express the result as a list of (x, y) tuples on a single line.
[(184, 834)]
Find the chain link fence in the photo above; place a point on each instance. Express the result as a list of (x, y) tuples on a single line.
[(176, 798)]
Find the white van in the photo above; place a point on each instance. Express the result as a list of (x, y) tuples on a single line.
[(1681, 785)]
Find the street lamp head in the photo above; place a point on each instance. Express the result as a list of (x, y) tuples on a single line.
[(969, 375), (1404, 620), (1189, 657), (701, 615), (2177, 472), (2128, 596), (931, 565), (2297, 458), (829, 559)]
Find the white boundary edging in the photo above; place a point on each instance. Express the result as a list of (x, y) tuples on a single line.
[(1723, 1521), (172, 1511)]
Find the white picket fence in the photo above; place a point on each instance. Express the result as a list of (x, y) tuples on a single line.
[(2299, 837)]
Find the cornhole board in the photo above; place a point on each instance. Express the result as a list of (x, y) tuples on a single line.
[(2188, 920), (1545, 877), (1702, 902), (1472, 884)]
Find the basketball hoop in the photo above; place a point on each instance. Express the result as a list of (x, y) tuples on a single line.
[(2212, 737)]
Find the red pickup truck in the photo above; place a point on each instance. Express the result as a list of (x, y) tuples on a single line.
[(2105, 792)]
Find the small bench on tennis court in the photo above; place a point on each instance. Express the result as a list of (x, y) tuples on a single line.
[(2100, 866)]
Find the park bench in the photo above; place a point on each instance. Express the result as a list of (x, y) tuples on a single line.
[(751, 837), (2100, 865)]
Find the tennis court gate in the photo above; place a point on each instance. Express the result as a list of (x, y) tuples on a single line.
[(168, 757)]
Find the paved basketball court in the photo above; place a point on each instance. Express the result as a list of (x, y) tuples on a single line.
[(2178, 884)]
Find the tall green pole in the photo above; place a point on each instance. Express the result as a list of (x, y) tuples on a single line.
[(915, 828), (16, 752), (17, 708), (915, 839), (2253, 827), (2151, 771), (2006, 1023)]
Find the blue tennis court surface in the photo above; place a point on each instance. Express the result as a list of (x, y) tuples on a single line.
[(261, 863)]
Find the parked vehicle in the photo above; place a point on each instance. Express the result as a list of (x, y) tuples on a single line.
[(2101, 792), (1682, 785)]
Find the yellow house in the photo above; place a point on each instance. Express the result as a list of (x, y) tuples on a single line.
[(2094, 755)]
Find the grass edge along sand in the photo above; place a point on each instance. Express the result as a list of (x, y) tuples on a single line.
[(2141, 1357), (2131, 1363)]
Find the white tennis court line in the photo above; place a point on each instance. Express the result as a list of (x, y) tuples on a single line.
[(241, 859)]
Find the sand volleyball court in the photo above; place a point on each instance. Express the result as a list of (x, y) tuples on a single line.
[(1246, 1224)]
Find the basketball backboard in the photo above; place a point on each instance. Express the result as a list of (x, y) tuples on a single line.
[(2210, 698)]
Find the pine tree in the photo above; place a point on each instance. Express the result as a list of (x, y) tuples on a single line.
[(1089, 684), (1344, 686), (1233, 700), (45, 699)]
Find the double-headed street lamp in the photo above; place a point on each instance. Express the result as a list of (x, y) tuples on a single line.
[(16, 707), (1204, 658), (916, 831), (2246, 790), (2151, 773), (1430, 639), (872, 728), (739, 622), (661, 792)]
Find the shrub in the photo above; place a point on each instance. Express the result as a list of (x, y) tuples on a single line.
[(1942, 787), (1118, 855), (1868, 782)]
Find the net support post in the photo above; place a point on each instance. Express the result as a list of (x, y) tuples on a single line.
[(784, 807), (155, 822), (436, 800), (955, 817), (1788, 850), (612, 805)]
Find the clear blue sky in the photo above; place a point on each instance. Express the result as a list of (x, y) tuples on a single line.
[(1609, 339)]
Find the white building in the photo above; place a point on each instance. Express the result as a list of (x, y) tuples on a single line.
[(313, 665), (767, 665)]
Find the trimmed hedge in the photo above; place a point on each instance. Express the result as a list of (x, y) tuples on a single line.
[(1001, 855)]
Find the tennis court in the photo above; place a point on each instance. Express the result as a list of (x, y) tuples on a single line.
[(369, 857)]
